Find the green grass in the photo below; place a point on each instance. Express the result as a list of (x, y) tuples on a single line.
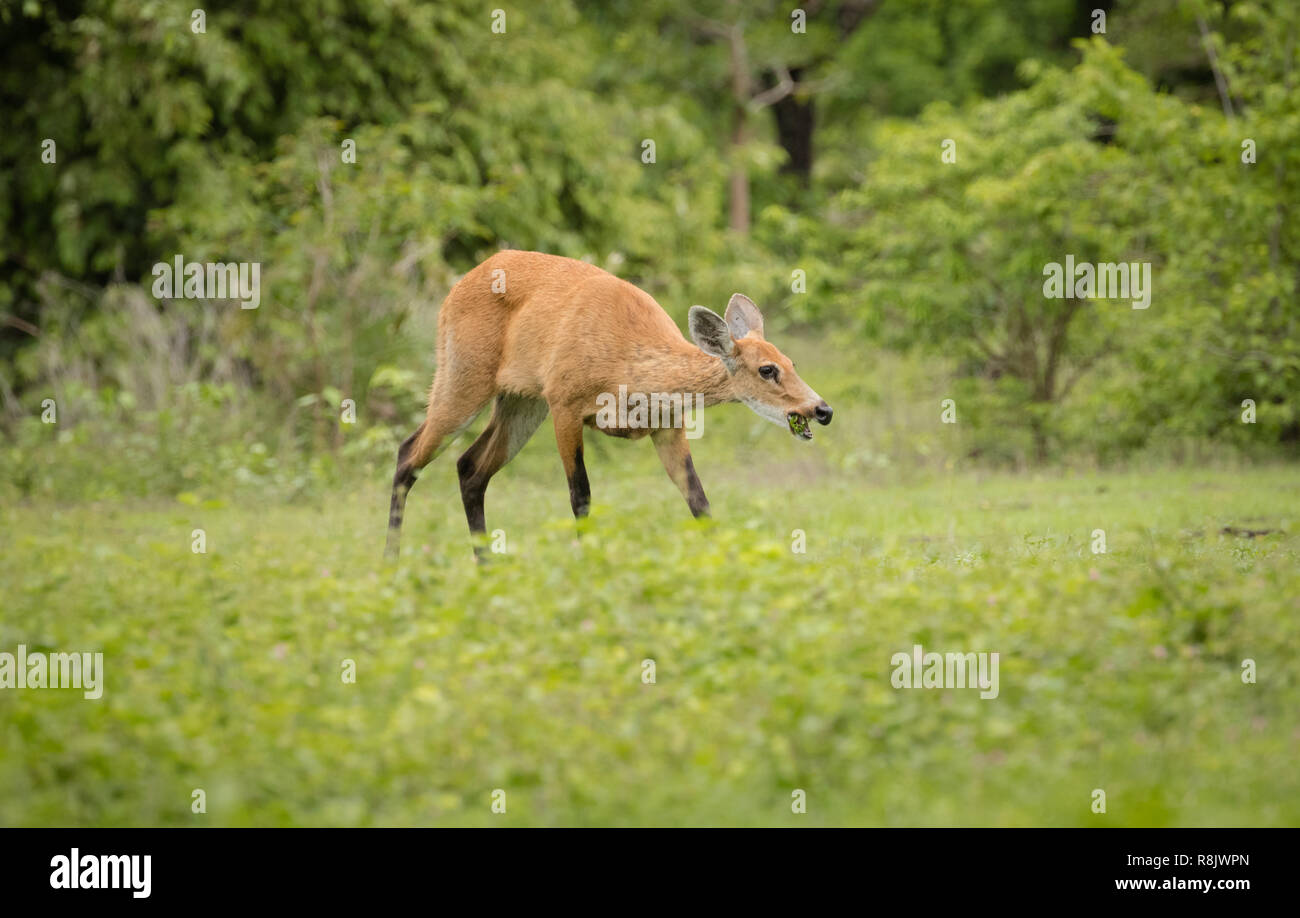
[(1118, 671)]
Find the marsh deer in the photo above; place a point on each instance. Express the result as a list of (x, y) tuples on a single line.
[(538, 334)]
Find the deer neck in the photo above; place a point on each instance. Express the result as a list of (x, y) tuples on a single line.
[(692, 372)]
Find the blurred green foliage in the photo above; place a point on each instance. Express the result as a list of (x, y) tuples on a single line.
[(922, 281), (227, 146), (223, 671)]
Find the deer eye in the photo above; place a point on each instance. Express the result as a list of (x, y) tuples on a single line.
[(767, 371)]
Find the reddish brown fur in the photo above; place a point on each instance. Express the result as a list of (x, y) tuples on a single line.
[(562, 333)]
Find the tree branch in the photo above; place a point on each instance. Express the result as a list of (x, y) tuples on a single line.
[(1084, 365), (21, 324), (783, 88), (1220, 81)]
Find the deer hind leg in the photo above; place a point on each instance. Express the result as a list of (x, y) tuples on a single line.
[(568, 439), (452, 408), (675, 454), (514, 419)]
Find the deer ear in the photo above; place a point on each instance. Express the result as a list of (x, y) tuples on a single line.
[(743, 316), (710, 332)]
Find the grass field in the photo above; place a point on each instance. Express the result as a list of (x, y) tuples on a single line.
[(1118, 671)]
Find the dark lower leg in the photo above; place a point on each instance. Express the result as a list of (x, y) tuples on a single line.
[(472, 489), (675, 455), (476, 468), (695, 498), (579, 487), (403, 479)]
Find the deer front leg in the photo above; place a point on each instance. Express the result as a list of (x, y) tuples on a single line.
[(568, 439), (675, 454)]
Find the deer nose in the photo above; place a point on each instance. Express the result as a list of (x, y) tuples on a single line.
[(823, 413)]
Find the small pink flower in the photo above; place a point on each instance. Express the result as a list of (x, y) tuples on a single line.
[(280, 651), (1094, 574), (1159, 651)]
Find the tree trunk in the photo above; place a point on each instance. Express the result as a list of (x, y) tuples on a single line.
[(739, 192), (794, 131), (740, 93), (1039, 430)]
